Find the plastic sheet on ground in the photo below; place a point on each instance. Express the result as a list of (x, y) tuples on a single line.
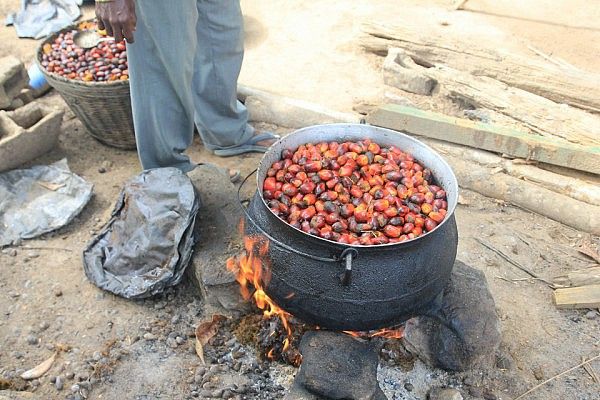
[(40, 18), (39, 200), (148, 242)]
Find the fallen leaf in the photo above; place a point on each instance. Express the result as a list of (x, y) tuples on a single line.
[(206, 330), (39, 370), (587, 249), (51, 186)]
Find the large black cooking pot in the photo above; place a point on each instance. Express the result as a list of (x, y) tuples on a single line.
[(354, 287)]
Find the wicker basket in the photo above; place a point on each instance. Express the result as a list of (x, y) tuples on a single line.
[(104, 108)]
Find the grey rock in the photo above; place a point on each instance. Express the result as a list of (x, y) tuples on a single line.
[(219, 216), (12, 252), (217, 393), (43, 326), (591, 314), (489, 394), (70, 375), (32, 339), (96, 356), (337, 366), (470, 334), (409, 387), (58, 383), (150, 336), (438, 393), (75, 388)]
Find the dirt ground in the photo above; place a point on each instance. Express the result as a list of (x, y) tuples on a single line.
[(121, 349)]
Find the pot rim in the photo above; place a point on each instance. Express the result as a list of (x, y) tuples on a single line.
[(452, 203)]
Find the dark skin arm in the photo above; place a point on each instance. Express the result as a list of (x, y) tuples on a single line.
[(118, 18)]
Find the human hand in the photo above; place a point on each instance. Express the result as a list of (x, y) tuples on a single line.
[(117, 17)]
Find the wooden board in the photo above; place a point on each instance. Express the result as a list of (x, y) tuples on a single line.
[(578, 297), (562, 85), (487, 137), (580, 277)]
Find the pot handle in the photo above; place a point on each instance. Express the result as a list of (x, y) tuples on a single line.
[(347, 255)]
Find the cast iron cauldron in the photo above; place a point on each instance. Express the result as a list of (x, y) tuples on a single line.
[(354, 287)]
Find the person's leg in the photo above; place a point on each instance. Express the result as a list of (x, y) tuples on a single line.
[(161, 66), (221, 119)]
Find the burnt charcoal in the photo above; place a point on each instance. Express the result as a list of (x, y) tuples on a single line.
[(466, 331), (337, 366)]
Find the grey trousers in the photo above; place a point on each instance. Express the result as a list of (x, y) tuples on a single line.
[(184, 66)]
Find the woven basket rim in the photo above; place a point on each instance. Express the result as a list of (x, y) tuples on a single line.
[(50, 38)]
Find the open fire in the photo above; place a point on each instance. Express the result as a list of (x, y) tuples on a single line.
[(252, 269)]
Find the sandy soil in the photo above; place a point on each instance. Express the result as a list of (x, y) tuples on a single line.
[(305, 50)]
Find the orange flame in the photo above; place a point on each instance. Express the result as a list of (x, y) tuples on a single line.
[(253, 269)]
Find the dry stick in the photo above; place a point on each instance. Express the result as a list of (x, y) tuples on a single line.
[(557, 376), (555, 61), (513, 262), (590, 370), (47, 248)]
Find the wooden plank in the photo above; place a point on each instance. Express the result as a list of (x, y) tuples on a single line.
[(578, 297), (487, 137), (579, 277), (576, 88)]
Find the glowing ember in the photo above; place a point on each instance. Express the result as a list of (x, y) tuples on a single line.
[(388, 333), (253, 271)]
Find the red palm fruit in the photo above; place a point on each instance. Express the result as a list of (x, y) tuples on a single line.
[(332, 218), (379, 193), (331, 207), (343, 198), (297, 199), (396, 221), (325, 174), (367, 198), (339, 226), (346, 170), (440, 204), (332, 183), (389, 167), (307, 187), (434, 188), (440, 194), (379, 159), (393, 176), (403, 210), (331, 154), (351, 157), (355, 177), (436, 216), (305, 226), (346, 182), (363, 185), (342, 160), (288, 176), (267, 195), (320, 188), (295, 223), (287, 163), (417, 167), (271, 172), (339, 188), (390, 212), (429, 198), (380, 239), (362, 160), (381, 205), (408, 227), (309, 199), (280, 176), (347, 210), (382, 220), (374, 169), (364, 227), (426, 208), (277, 165), (376, 180), (270, 184), (417, 231), (313, 166), (419, 221), (323, 147), (430, 224), (406, 164), (334, 165), (294, 214), (374, 148), (356, 148), (317, 222), (414, 208), (418, 198), (308, 213), (392, 231), (320, 206), (356, 192), (296, 182), (287, 154), (302, 176), (329, 195), (344, 238), (360, 213), (365, 240)]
